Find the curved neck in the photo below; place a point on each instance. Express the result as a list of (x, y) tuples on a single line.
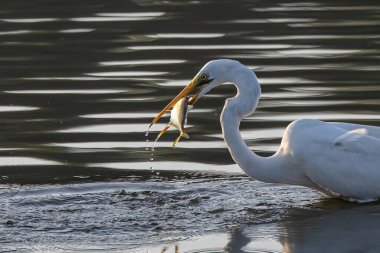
[(243, 104), (261, 168)]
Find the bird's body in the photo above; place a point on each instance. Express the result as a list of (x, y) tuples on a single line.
[(338, 159)]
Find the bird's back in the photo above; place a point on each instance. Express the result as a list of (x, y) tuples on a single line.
[(344, 163)]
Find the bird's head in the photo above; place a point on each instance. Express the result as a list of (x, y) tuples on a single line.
[(211, 75)]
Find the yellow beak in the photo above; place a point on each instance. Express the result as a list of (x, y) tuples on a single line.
[(189, 88)]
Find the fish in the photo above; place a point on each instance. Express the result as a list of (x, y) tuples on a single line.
[(178, 119)]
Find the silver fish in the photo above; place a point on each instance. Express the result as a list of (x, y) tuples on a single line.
[(178, 119)]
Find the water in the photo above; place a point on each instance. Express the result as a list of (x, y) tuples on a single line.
[(80, 82)]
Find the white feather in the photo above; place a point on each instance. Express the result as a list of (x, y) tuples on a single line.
[(338, 159)]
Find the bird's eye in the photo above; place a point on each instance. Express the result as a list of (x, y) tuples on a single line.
[(204, 77)]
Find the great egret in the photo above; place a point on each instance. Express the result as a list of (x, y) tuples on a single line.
[(338, 159)]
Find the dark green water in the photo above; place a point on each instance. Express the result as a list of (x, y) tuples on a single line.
[(80, 82)]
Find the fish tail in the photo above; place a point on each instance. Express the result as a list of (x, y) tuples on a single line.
[(162, 132), (176, 141), (184, 135)]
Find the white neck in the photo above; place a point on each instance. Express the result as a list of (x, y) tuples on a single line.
[(266, 169)]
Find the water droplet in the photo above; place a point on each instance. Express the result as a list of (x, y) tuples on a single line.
[(146, 140), (151, 157), (146, 133), (146, 149), (157, 173)]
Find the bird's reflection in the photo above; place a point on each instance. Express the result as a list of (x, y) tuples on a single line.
[(351, 229), (327, 226), (165, 249), (238, 241)]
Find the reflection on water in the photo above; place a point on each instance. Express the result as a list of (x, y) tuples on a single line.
[(21, 161), (13, 108), (347, 230), (140, 62), (64, 91), (81, 80), (353, 229)]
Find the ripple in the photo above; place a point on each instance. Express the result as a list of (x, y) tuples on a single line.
[(317, 8), (337, 67), (77, 30), (77, 91), (307, 103), (15, 108), (131, 144), (317, 52), (23, 43), (136, 99), (171, 166), (212, 47), (173, 83), (131, 14), (119, 115), (316, 115), (10, 149), (29, 20), (25, 161), (109, 19), (71, 78), (127, 73), (110, 128), (318, 36), (273, 20), (349, 23), (17, 32), (187, 35), (284, 94), (69, 190), (197, 215), (112, 17), (140, 62), (284, 80), (334, 88)]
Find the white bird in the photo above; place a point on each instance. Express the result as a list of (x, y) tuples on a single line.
[(337, 159)]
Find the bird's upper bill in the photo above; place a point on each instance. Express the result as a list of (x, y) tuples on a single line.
[(195, 83)]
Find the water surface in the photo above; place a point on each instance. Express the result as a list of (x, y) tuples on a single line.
[(80, 82)]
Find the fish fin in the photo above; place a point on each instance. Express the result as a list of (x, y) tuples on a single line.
[(162, 132), (184, 135), (176, 141)]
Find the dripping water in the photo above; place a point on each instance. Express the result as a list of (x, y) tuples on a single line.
[(151, 157)]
